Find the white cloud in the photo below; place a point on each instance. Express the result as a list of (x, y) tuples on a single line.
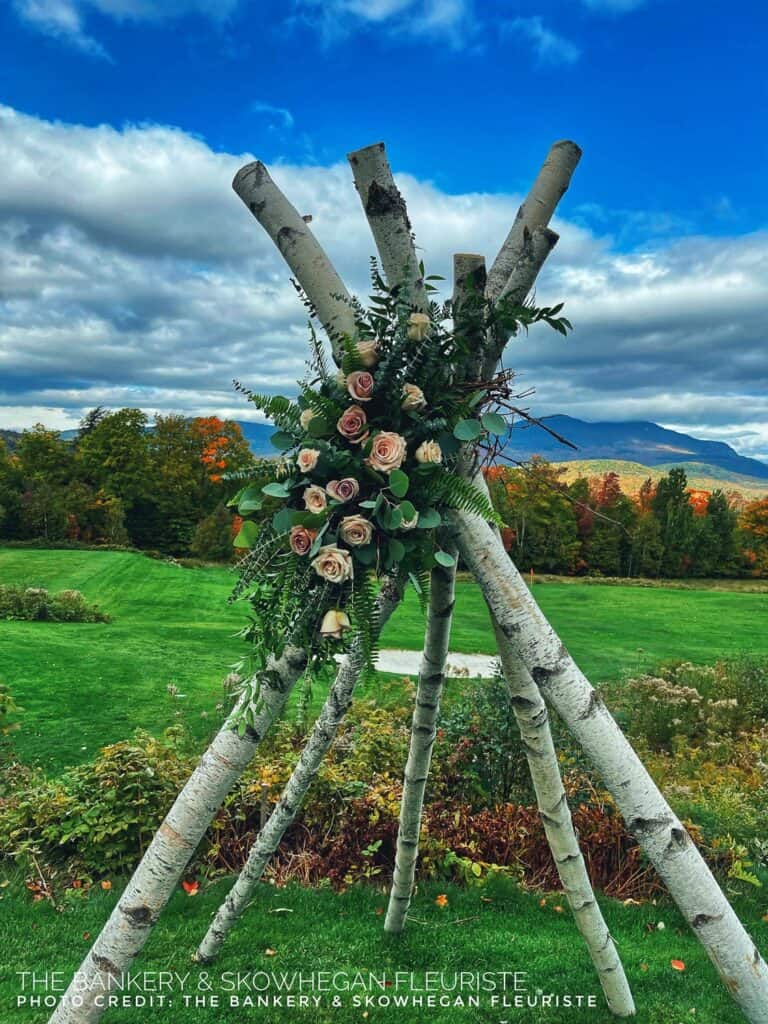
[(65, 19), (130, 273), (279, 117), (550, 47), (450, 21)]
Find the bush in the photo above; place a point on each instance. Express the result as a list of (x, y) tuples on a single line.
[(35, 604), (695, 704)]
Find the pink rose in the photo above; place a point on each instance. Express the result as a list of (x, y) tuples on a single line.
[(352, 424), (343, 490), (368, 352), (387, 452), (314, 499), (413, 398), (333, 564), (355, 531), (301, 539), (360, 385), (429, 451), (307, 459), (334, 623)]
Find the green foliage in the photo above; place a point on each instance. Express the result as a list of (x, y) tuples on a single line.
[(212, 539), (35, 604)]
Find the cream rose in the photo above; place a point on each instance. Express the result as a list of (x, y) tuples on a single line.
[(410, 524), (343, 490), (428, 451), (387, 452), (355, 531), (360, 385), (305, 417), (334, 623), (368, 352), (352, 424), (301, 539), (307, 458), (314, 499), (418, 326), (333, 564), (413, 398)]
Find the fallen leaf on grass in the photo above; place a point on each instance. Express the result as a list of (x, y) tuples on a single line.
[(191, 888), (270, 952), (442, 900), (281, 910), (106, 885), (677, 965)]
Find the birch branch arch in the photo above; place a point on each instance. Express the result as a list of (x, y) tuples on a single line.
[(536, 665)]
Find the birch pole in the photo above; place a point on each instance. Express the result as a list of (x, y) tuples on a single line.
[(317, 746), (533, 722), (171, 849), (161, 867), (526, 635)]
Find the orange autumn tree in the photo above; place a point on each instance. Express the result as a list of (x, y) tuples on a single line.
[(222, 446), (754, 525)]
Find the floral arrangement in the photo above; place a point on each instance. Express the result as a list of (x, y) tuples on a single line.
[(369, 470)]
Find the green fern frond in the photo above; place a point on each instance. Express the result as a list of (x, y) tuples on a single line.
[(366, 619), (456, 492), (282, 411), (320, 404)]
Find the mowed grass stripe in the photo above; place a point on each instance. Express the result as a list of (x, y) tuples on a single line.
[(86, 685)]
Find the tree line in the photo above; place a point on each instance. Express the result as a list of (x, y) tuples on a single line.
[(590, 526), (124, 481)]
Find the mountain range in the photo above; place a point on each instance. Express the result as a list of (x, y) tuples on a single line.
[(637, 441)]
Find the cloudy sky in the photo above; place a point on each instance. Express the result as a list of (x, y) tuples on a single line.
[(130, 273)]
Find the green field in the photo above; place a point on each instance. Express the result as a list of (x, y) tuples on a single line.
[(317, 930), (82, 686)]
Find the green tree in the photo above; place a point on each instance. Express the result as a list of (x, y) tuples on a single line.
[(672, 509), (213, 537), (114, 456), (44, 456)]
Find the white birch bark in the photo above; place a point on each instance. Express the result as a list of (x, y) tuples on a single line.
[(528, 635), (317, 746), (300, 249), (537, 208), (161, 867), (423, 732), (387, 216), (532, 719)]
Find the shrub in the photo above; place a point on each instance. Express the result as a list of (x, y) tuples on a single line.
[(35, 604), (698, 704)]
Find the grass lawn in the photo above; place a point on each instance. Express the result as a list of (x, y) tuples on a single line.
[(317, 930), (82, 686)]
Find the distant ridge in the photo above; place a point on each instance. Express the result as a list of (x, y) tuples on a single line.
[(632, 441)]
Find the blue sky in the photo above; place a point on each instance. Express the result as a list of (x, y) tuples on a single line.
[(131, 276)]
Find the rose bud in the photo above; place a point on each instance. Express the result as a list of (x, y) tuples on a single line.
[(333, 564), (301, 539), (305, 417), (355, 531), (360, 385), (343, 490), (307, 458), (368, 352), (413, 398), (418, 326), (428, 451), (387, 452), (334, 623), (410, 524), (314, 499), (352, 424)]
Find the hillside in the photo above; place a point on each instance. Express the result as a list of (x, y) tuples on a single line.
[(633, 474), (633, 441)]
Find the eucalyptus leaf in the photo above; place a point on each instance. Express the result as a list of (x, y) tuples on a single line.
[(249, 531), (366, 554), (395, 552), (282, 520), (443, 558), (408, 510), (494, 423), (276, 489), (398, 483), (318, 426), (428, 519), (467, 430), (282, 440)]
